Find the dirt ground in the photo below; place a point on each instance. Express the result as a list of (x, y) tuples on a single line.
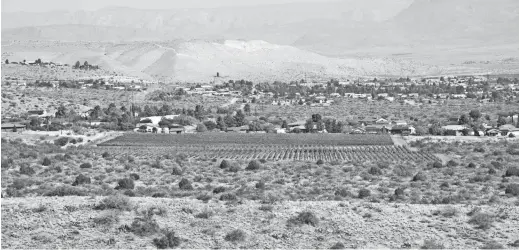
[(54, 222)]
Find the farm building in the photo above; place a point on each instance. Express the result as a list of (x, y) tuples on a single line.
[(493, 132), (368, 121), (399, 123), (13, 127)]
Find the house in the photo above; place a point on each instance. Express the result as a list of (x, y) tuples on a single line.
[(399, 123), (413, 95), (382, 121), (401, 130), (300, 125), (13, 127), (493, 132), (453, 120), (456, 130), (507, 128), (242, 129), (176, 129), (368, 121), (377, 129)]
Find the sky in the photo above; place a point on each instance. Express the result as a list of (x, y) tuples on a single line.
[(74, 5)]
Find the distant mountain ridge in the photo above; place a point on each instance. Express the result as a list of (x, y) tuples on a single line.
[(336, 38)]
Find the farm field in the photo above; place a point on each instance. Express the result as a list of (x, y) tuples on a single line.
[(140, 139), (272, 147)]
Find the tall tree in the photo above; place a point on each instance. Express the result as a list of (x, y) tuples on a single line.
[(239, 118), (475, 114), (77, 65), (246, 108)]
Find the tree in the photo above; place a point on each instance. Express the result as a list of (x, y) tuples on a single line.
[(284, 124), (210, 125), (239, 118), (62, 112), (229, 121), (201, 128), (475, 114), (38, 61), (246, 108), (464, 120), (220, 123), (77, 65), (6, 61), (501, 121), (85, 64)]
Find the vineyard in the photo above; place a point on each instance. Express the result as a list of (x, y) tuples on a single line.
[(275, 147)]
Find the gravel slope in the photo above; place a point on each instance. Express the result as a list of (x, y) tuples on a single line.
[(390, 225)]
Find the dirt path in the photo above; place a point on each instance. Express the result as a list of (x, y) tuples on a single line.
[(398, 140)]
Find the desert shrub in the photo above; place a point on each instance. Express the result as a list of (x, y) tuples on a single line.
[(319, 162), (399, 192), (39, 209), (108, 218), (253, 165), (512, 189), (363, 193), (228, 197), (342, 192), (206, 214), (234, 168), (46, 162), (452, 163), (235, 235), (420, 176), (260, 185), (266, 207), (65, 190), (437, 164), (177, 171), (482, 220), (62, 141), (304, 218), (167, 241), (129, 193), (225, 164), (492, 245), (126, 183), (432, 244), (26, 170), (515, 244), (135, 176), (492, 171), (73, 141), (383, 165), (512, 171), (81, 179), (185, 184), (338, 245), (496, 164), (204, 197), (375, 171), (105, 155), (119, 202), (7, 163), (144, 226), (449, 211), (86, 165), (219, 190), (401, 170), (471, 165), (262, 160), (479, 150), (479, 178), (20, 183)]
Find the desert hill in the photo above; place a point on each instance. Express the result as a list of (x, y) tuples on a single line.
[(284, 41)]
